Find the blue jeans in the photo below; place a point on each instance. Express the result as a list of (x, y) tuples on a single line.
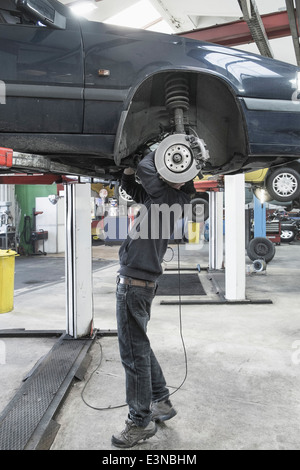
[(145, 382)]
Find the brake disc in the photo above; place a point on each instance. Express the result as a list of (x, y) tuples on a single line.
[(174, 159)]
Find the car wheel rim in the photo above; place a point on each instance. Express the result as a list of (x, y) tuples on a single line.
[(286, 234), (124, 195), (285, 184)]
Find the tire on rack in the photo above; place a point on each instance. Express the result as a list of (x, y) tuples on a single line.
[(283, 184), (261, 248)]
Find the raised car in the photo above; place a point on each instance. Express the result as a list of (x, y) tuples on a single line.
[(96, 97)]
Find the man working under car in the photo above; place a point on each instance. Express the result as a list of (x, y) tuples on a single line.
[(140, 265)]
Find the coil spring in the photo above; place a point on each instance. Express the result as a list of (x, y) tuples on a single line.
[(177, 92)]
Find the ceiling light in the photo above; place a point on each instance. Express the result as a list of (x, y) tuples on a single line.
[(81, 8), (136, 16)]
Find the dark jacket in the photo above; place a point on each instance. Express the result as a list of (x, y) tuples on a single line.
[(142, 253)]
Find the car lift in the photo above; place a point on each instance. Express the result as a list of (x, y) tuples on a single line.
[(235, 231), (27, 422), (235, 273), (78, 268)]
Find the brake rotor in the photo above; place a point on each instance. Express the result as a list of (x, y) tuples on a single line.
[(174, 159)]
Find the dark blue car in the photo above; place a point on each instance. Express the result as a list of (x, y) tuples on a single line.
[(96, 97)]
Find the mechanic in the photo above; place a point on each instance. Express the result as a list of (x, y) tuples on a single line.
[(141, 260)]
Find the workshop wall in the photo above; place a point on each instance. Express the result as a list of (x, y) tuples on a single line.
[(25, 199)]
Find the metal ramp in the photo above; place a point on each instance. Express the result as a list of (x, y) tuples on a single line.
[(27, 421)]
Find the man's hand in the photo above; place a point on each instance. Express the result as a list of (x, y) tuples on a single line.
[(129, 171)]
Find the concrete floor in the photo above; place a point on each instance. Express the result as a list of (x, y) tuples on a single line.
[(243, 365)]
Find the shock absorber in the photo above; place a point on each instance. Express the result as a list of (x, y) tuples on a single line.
[(177, 98), (179, 157)]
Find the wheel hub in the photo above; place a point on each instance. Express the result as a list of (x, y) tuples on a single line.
[(178, 158), (261, 249)]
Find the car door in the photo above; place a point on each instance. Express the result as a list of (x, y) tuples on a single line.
[(41, 71), (109, 73)]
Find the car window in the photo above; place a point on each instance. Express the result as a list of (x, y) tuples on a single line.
[(10, 14)]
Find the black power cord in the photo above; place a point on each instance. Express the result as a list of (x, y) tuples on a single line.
[(180, 323), (109, 407), (113, 407)]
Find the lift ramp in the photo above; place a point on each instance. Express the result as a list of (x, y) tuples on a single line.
[(27, 422)]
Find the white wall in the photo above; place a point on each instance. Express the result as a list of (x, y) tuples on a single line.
[(7, 194), (52, 220)]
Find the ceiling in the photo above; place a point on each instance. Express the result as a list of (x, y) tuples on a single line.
[(178, 17)]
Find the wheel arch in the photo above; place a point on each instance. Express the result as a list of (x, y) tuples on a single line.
[(215, 113)]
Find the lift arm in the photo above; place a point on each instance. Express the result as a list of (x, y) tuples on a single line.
[(24, 168), (32, 163)]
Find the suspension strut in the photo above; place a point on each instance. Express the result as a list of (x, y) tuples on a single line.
[(179, 157), (177, 99)]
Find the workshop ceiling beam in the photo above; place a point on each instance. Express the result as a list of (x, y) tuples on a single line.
[(298, 10), (294, 20), (237, 33), (256, 26)]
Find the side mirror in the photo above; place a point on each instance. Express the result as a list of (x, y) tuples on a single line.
[(44, 12)]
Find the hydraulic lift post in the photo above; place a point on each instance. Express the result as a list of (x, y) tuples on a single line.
[(260, 224), (235, 269), (78, 260), (215, 188), (37, 169), (216, 243)]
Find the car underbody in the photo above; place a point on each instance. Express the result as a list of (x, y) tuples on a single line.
[(89, 98), (166, 104)]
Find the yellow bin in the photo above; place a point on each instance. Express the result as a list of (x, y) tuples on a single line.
[(194, 232), (7, 280)]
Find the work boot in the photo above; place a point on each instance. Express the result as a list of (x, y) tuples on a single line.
[(132, 434), (162, 410)]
